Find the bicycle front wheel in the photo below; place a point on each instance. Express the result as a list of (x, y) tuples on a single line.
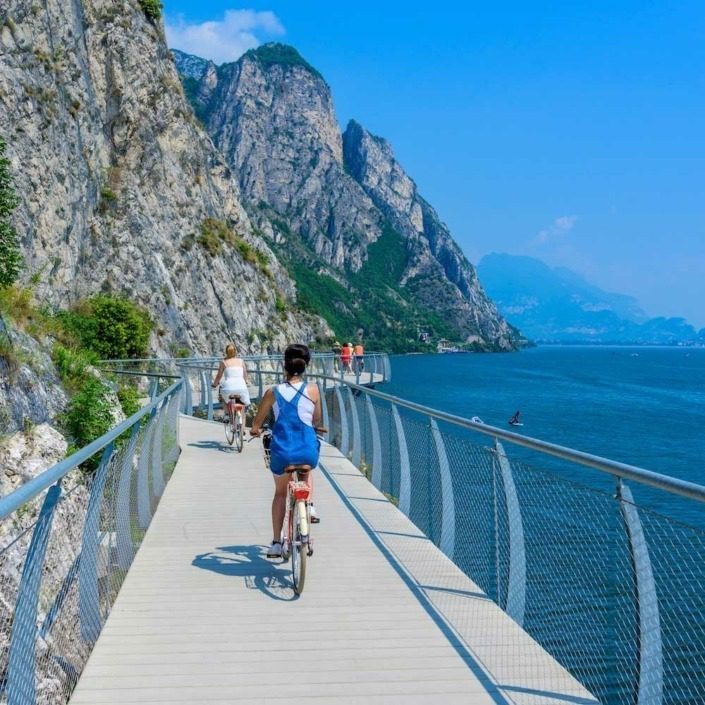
[(230, 426), (299, 551), (239, 429)]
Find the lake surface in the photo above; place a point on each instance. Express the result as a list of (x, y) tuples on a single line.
[(644, 406)]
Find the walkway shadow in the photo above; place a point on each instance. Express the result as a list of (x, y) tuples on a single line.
[(249, 562), (213, 445)]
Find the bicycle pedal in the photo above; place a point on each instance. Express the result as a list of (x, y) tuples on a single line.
[(310, 551), (304, 539)]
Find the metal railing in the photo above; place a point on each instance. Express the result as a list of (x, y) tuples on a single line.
[(611, 589), (264, 371), (68, 537)]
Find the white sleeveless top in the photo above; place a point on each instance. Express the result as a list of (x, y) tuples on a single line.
[(233, 372), (305, 406)]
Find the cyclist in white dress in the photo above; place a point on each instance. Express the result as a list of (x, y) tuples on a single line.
[(233, 373)]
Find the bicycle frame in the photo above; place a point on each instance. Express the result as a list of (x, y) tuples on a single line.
[(297, 495)]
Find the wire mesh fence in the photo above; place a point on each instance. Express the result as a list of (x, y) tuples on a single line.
[(66, 550), (612, 590)]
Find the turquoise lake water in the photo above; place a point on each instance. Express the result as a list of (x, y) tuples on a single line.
[(644, 406)]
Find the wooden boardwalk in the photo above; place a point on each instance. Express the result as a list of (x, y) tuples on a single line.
[(204, 617)]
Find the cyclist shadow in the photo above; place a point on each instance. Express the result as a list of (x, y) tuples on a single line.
[(213, 445), (248, 562)]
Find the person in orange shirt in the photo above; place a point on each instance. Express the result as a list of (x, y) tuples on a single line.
[(359, 352), (346, 357)]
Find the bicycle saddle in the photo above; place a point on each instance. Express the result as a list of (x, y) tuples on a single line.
[(298, 468)]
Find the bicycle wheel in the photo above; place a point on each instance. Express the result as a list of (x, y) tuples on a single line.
[(239, 429), (299, 552), (230, 425)]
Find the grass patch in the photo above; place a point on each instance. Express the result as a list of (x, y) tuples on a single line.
[(216, 234)]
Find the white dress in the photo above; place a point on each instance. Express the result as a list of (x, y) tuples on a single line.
[(233, 382)]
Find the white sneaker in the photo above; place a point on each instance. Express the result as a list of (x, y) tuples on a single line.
[(315, 519), (275, 550)]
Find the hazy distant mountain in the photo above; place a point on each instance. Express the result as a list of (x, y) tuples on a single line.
[(556, 304)]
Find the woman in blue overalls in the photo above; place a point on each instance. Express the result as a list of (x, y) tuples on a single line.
[(297, 413)]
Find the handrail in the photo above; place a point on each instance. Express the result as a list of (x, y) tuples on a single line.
[(667, 483), (33, 487), (129, 373), (614, 468)]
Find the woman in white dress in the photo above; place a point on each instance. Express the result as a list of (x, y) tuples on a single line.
[(233, 373)]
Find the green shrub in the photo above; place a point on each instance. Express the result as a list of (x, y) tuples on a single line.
[(112, 327), (151, 8), (129, 397), (10, 255), (89, 413)]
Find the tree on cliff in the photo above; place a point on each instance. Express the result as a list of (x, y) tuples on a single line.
[(10, 256)]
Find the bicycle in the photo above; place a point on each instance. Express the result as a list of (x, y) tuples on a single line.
[(295, 537), (234, 411)]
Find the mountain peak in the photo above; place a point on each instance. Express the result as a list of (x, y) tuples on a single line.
[(277, 54)]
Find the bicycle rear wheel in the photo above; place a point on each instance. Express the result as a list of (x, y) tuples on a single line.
[(239, 429), (230, 425), (299, 551)]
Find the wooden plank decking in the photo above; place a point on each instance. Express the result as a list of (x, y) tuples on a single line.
[(204, 617)]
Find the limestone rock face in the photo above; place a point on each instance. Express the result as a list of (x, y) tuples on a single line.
[(30, 390), (445, 280), (116, 178), (271, 114), (276, 126)]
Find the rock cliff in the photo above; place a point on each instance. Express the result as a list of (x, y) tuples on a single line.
[(121, 188), (365, 248)]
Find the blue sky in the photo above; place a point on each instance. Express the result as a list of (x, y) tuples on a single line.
[(568, 131)]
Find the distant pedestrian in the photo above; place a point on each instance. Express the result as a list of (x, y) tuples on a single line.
[(337, 347), (346, 357), (359, 352)]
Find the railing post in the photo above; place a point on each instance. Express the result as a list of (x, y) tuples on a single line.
[(404, 468), (88, 597), (125, 548), (649, 643), (188, 401), (21, 682), (344, 431), (202, 396), (153, 388), (516, 583), (356, 439), (260, 384), (447, 544), (209, 392), (144, 502), (324, 408), (376, 445), (157, 474)]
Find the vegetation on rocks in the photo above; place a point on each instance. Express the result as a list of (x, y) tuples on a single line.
[(110, 327), (99, 327), (152, 8), (275, 53), (215, 234), (373, 292), (10, 256)]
